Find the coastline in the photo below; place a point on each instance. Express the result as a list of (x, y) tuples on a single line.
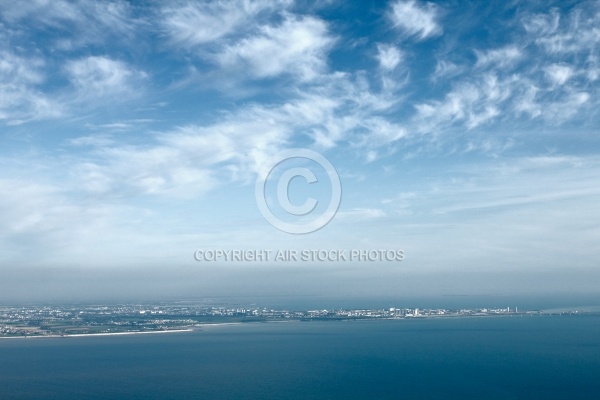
[(201, 326), (95, 334)]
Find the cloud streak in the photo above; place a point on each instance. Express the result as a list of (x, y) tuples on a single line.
[(416, 19)]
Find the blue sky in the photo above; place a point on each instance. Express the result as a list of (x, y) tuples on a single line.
[(464, 133)]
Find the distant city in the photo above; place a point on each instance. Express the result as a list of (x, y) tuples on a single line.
[(64, 321)]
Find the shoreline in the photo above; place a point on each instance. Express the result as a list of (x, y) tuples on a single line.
[(200, 326), (95, 334)]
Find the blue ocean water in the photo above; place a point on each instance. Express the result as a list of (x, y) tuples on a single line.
[(518, 357)]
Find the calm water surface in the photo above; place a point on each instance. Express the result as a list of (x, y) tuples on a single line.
[(545, 357)]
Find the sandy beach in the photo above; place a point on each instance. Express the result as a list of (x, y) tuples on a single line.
[(95, 334)]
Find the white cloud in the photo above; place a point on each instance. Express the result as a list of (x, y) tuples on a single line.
[(592, 72), (499, 58), (542, 24), (415, 19), (388, 56), (482, 98), (526, 78), (559, 73), (96, 77), (297, 46), (44, 224), (472, 102), (34, 213), (190, 160), (360, 214), (21, 209), (547, 72), (18, 69), (578, 32), (526, 101), (555, 106), (333, 129), (381, 132), (20, 99), (566, 60), (527, 181), (198, 23), (372, 156), (569, 105), (194, 159), (87, 21), (446, 70)]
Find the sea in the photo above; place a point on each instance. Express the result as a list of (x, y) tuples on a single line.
[(504, 357)]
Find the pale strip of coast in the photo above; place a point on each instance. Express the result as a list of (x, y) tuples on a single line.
[(192, 329), (253, 323), (96, 334), (208, 325)]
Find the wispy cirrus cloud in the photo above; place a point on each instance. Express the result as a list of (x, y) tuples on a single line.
[(499, 58), (98, 76), (562, 34), (559, 74), (20, 96), (527, 78), (191, 24), (194, 159), (297, 46), (243, 42), (33, 82), (472, 103), (446, 69), (94, 22), (388, 56), (418, 19)]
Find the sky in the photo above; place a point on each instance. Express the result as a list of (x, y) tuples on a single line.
[(464, 133)]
